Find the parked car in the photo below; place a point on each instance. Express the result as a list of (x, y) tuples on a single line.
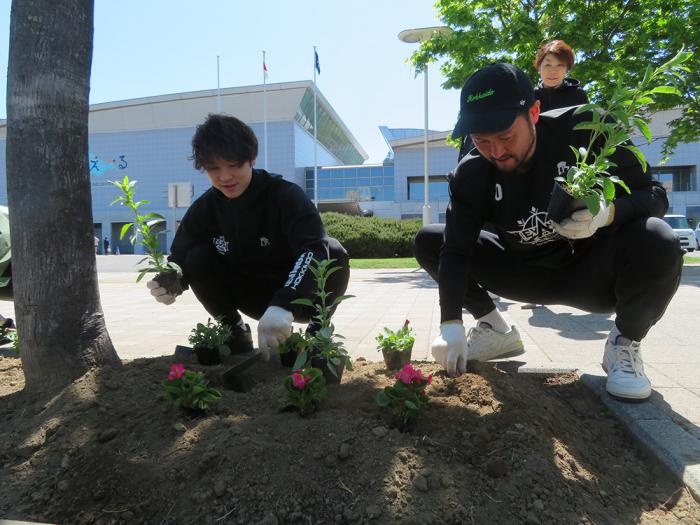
[(680, 225), (697, 236)]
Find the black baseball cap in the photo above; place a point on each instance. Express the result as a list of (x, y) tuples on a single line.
[(492, 98)]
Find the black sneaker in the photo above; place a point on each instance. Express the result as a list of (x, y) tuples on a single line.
[(241, 340)]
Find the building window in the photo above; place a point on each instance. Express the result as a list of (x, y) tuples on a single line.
[(353, 183), (676, 178), (437, 188)]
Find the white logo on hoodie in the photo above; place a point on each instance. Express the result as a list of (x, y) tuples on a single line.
[(221, 244)]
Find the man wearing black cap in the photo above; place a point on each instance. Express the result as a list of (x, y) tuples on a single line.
[(586, 261)]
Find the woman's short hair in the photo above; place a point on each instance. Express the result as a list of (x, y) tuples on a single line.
[(559, 49)]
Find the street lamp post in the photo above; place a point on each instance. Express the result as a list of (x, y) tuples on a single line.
[(413, 36)]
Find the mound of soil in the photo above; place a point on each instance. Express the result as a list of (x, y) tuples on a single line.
[(492, 447)]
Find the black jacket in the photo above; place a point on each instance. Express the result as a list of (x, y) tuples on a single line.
[(271, 232), (568, 93), (514, 205)]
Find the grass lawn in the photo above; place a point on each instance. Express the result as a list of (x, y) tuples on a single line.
[(410, 262), (374, 264)]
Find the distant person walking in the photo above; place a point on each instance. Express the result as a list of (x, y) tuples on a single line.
[(105, 243), (97, 245)]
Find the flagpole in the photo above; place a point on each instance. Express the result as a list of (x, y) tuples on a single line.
[(265, 108), (218, 87), (315, 138)]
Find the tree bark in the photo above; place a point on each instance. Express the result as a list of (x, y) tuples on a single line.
[(57, 304)]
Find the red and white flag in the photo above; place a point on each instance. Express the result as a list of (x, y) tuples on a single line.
[(265, 74)]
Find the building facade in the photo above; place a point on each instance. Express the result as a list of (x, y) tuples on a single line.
[(149, 140)]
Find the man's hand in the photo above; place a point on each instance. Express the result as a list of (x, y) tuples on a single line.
[(450, 348), (165, 287), (274, 328), (583, 224)]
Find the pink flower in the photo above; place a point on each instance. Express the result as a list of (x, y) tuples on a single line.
[(176, 371), (299, 381), (406, 374)]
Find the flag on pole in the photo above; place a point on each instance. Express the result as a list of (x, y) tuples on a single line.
[(265, 74), (317, 65)]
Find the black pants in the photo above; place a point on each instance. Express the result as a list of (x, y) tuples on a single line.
[(632, 271), (224, 292)]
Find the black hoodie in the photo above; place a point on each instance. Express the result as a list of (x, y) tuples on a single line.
[(514, 205), (568, 93), (271, 232)]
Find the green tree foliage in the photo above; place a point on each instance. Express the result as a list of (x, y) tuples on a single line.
[(614, 42)]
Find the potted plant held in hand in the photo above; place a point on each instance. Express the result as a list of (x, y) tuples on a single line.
[(406, 399), (143, 232), (396, 346), (588, 184), (209, 342), (304, 391), (323, 348), (188, 390)]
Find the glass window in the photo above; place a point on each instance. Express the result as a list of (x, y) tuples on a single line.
[(389, 194), (676, 178), (363, 181), (437, 187)]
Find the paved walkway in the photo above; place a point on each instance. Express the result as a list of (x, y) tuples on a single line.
[(556, 338)]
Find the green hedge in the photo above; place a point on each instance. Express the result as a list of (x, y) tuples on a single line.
[(372, 237)]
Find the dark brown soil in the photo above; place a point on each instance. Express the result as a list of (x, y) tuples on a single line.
[(493, 447)]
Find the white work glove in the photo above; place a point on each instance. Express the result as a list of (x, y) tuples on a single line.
[(161, 294), (490, 237), (274, 327), (450, 348), (583, 224)]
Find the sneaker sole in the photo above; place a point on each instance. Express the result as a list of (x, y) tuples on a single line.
[(520, 350)]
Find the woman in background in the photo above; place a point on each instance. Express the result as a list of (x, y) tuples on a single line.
[(553, 61)]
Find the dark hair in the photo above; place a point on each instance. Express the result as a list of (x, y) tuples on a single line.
[(559, 49), (224, 137)]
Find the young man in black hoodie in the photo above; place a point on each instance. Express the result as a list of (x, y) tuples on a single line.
[(246, 244), (587, 261)]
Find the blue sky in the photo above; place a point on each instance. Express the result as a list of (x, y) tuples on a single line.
[(154, 47)]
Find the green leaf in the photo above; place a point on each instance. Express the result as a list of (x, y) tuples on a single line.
[(640, 156), (303, 302), (593, 203), (608, 189), (301, 360), (125, 229), (667, 90), (643, 128)]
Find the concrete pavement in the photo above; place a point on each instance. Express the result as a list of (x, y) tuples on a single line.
[(556, 338)]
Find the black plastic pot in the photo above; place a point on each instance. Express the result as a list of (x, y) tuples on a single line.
[(170, 282), (395, 360), (207, 356), (287, 359), (562, 204), (321, 363)]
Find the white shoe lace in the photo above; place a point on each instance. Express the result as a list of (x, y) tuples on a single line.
[(628, 360), (474, 333)]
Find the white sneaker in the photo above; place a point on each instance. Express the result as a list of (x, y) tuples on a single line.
[(625, 368), (484, 343)]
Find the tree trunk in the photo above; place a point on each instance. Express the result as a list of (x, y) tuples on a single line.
[(57, 303)]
